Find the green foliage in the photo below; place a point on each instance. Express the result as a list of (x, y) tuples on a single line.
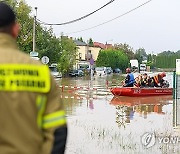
[(166, 53), (68, 56), (23, 16), (112, 58), (140, 55), (48, 45), (80, 39), (90, 42), (151, 64), (12, 3), (167, 60), (149, 57), (127, 49)]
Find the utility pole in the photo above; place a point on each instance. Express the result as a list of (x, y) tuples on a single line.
[(34, 31)]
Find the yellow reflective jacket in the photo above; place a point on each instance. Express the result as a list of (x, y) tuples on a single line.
[(30, 105)]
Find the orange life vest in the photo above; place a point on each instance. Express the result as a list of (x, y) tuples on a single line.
[(156, 79)]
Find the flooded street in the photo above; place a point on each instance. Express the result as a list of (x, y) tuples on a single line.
[(100, 123)]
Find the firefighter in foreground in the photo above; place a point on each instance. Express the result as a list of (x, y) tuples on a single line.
[(31, 113)]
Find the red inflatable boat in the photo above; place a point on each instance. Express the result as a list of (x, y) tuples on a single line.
[(134, 92)]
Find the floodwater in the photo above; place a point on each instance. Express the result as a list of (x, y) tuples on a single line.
[(99, 123)]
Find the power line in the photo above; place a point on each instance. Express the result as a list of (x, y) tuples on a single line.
[(111, 19), (78, 19)]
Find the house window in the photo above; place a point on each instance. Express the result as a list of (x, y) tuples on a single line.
[(80, 56)]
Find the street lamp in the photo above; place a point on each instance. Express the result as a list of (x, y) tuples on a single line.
[(34, 31)]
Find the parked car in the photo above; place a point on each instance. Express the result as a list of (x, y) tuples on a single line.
[(76, 73), (117, 70), (100, 71), (109, 70), (55, 72), (80, 72)]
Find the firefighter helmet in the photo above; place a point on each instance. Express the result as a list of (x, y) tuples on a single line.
[(163, 74)]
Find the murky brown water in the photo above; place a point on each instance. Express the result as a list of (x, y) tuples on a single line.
[(100, 123)]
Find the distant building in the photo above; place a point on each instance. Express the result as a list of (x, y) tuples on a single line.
[(82, 50), (86, 52)]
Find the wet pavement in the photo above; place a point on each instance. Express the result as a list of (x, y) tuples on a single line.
[(101, 123)]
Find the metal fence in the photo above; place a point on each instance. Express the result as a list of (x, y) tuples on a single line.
[(176, 96), (178, 113)]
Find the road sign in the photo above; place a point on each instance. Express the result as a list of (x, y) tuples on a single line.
[(178, 66), (34, 54), (45, 60), (35, 58), (91, 61)]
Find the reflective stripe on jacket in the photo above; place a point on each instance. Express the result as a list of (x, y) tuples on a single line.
[(156, 79)]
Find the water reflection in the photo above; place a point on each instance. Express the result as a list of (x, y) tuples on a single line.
[(126, 107)]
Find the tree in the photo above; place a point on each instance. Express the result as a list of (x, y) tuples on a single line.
[(47, 44), (112, 58), (80, 39), (22, 10), (140, 55), (12, 3), (128, 50), (90, 42), (167, 59), (68, 55)]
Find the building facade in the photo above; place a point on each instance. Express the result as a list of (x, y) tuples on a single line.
[(86, 52)]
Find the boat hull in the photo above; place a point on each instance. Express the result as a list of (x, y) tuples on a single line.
[(135, 92)]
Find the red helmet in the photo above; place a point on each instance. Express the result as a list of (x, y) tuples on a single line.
[(163, 74), (128, 70)]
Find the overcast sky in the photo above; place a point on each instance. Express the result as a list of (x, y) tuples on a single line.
[(155, 26)]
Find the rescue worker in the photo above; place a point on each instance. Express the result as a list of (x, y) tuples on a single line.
[(150, 81), (158, 79), (31, 113), (129, 80), (137, 82), (145, 80)]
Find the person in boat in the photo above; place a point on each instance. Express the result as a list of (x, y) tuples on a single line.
[(150, 82), (144, 80), (129, 80), (165, 84), (158, 79), (137, 82), (138, 79)]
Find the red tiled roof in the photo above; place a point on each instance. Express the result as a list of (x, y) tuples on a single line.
[(101, 45)]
